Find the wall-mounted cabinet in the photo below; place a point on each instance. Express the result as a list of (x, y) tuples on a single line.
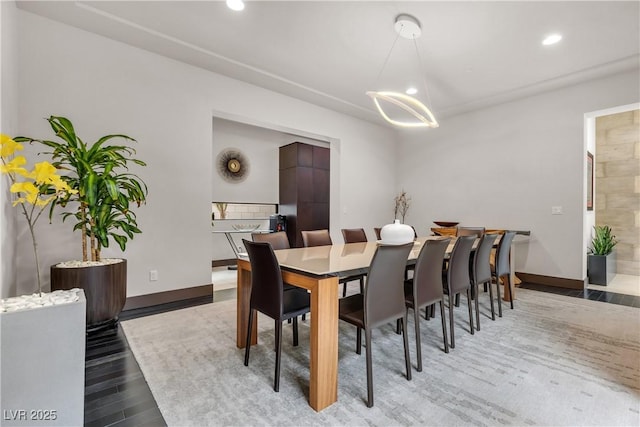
[(304, 188)]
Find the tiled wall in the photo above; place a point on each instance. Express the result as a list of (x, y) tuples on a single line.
[(245, 211), (618, 184)]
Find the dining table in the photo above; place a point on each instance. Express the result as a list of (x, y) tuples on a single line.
[(317, 269)]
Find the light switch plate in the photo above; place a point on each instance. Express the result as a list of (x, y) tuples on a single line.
[(556, 210)]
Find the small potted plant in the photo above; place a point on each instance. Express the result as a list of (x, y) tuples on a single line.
[(101, 203), (601, 260)]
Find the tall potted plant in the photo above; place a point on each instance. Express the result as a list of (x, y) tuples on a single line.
[(601, 260), (101, 207)]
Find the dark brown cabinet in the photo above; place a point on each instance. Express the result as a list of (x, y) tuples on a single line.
[(304, 188)]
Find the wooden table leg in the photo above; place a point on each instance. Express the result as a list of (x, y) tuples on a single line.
[(323, 381), (242, 303)]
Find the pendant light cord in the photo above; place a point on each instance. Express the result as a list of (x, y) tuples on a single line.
[(422, 73), (384, 65)]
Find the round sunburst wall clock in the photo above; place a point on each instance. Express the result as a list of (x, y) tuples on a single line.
[(232, 165)]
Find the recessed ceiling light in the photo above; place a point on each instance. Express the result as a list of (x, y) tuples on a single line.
[(551, 39), (235, 4), (411, 91)]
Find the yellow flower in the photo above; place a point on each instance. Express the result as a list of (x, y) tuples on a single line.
[(14, 166), (60, 185), (8, 146), (29, 189), (43, 173)]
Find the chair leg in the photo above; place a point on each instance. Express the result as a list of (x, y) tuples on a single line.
[(507, 282), (452, 344), (304, 317), (367, 334), (359, 341), (416, 318), (499, 296), (405, 339), (276, 379), (344, 290), (493, 311), (295, 331), (398, 326), (458, 300), (362, 285), (247, 346), (444, 327), (469, 303), (477, 288)]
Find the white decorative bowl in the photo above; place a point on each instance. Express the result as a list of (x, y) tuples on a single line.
[(396, 234), (245, 227)]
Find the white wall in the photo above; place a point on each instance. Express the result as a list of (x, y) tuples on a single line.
[(506, 166), (105, 87), (8, 125)]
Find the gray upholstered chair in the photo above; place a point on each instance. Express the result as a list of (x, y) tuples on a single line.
[(481, 272), (425, 288), (269, 298), (457, 279), (382, 302), (502, 267)]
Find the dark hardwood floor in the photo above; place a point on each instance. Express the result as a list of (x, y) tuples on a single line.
[(116, 393)]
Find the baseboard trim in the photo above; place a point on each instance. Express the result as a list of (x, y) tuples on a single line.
[(223, 262), (165, 297), (558, 282)]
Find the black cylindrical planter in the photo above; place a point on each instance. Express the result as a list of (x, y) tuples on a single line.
[(105, 287)]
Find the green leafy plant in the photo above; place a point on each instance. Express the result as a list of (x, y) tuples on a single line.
[(603, 241), (104, 191)]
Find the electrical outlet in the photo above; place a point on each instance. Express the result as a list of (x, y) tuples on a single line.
[(556, 210), (153, 275)]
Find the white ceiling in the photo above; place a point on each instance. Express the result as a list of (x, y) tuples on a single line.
[(473, 54)]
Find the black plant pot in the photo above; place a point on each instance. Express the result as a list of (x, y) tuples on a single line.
[(601, 268), (105, 287)]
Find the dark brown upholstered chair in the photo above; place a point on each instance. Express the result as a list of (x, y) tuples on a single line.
[(269, 298), (481, 272), (316, 238), (278, 240), (354, 235), (377, 231), (470, 231), (323, 238), (457, 279), (502, 267), (382, 302), (425, 288)]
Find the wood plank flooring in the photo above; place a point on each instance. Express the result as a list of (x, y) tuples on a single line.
[(116, 393)]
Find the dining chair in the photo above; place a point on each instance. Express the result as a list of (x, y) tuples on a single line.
[(278, 240), (425, 288), (470, 231), (377, 231), (269, 298), (457, 279), (382, 302), (481, 272), (502, 267), (323, 238), (354, 235)]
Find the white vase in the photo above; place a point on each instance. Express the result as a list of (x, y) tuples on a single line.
[(396, 234)]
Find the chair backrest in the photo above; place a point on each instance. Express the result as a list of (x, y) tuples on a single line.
[(427, 277), (503, 266), (316, 238), (278, 240), (266, 279), (481, 266), (354, 235), (470, 231), (377, 231), (384, 291), (458, 278)]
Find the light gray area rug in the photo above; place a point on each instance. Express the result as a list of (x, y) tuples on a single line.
[(554, 360)]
